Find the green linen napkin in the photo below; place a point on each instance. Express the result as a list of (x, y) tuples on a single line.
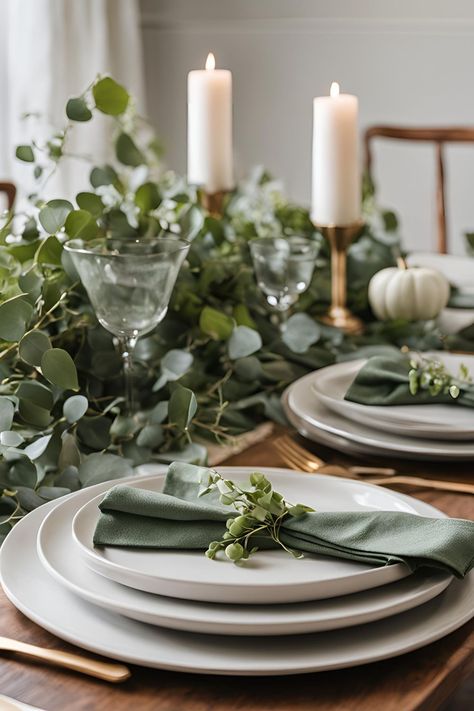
[(384, 381), (178, 519)]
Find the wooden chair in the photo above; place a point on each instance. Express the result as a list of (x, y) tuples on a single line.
[(438, 136), (10, 191)]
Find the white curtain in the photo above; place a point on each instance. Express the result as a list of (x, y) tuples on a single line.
[(51, 50)]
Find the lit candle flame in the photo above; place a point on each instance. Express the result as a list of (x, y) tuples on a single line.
[(210, 61), (334, 90)]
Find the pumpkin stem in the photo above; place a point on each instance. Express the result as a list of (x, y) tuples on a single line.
[(401, 262)]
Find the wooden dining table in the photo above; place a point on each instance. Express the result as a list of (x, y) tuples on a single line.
[(420, 680)]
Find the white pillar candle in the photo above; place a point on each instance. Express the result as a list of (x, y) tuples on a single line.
[(336, 196), (210, 160)]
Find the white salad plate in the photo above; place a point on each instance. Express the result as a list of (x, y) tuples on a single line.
[(58, 554), (421, 421), (313, 419), (271, 576), (56, 609)]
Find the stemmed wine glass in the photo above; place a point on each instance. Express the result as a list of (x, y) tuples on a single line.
[(283, 268), (129, 284)]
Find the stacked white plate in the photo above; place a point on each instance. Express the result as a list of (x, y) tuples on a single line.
[(179, 610), (316, 406), (459, 271)]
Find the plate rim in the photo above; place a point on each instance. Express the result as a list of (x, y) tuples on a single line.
[(369, 441)]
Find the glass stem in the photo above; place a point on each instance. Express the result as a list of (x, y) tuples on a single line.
[(127, 346)]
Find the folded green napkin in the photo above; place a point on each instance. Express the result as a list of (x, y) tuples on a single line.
[(178, 519), (383, 380)]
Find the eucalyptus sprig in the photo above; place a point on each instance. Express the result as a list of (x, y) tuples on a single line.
[(261, 512), (432, 375)]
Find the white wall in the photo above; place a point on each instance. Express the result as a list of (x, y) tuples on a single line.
[(409, 61)]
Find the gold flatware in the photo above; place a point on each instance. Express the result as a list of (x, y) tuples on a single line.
[(108, 671), (301, 459)]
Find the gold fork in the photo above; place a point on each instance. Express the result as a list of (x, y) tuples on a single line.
[(108, 671), (301, 459)]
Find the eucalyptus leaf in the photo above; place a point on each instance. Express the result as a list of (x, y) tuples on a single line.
[(110, 98), (90, 202), (75, 407), (243, 342), (80, 224), (38, 447), (15, 315), (193, 453), (58, 367), (49, 493), (32, 347), (147, 197), (49, 252), (174, 365), (97, 468), (216, 324), (77, 110), (151, 436), (53, 215), (127, 151), (102, 176), (182, 407), (11, 438), (94, 432), (25, 153), (7, 410), (300, 332)]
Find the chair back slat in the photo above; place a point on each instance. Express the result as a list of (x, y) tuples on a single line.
[(10, 191), (437, 135)]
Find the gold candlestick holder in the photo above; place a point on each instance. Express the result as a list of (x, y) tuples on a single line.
[(339, 238), (213, 203)]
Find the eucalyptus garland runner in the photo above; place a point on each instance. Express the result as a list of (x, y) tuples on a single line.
[(216, 365)]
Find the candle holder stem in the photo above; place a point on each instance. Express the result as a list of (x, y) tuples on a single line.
[(339, 238), (213, 202)]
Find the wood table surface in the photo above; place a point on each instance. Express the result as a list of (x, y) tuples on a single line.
[(420, 680)]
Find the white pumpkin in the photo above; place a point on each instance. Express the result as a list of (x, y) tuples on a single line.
[(415, 294)]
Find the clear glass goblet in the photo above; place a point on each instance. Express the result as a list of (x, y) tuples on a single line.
[(283, 268), (129, 284)]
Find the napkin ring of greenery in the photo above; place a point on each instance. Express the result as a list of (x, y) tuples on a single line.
[(261, 512)]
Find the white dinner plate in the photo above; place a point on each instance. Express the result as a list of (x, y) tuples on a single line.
[(60, 557), (272, 576), (301, 400), (52, 606), (421, 421)]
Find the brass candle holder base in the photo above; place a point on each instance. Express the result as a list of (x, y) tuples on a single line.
[(213, 203), (339, 238)]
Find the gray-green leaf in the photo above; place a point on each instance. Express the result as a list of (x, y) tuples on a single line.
[(182, 407), (58, 367), (32, 347), (53, 215), (127, 152), (77, 110), (300, 333), (15, 315), (75, 407), (243, 342)]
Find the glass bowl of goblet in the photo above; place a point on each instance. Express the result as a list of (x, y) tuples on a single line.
[(129, 284), (283, 269)]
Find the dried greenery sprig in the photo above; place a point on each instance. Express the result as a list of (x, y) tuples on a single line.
[(432, 375), (261, 511)]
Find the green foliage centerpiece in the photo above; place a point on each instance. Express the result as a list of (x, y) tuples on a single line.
[(213, 368)]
